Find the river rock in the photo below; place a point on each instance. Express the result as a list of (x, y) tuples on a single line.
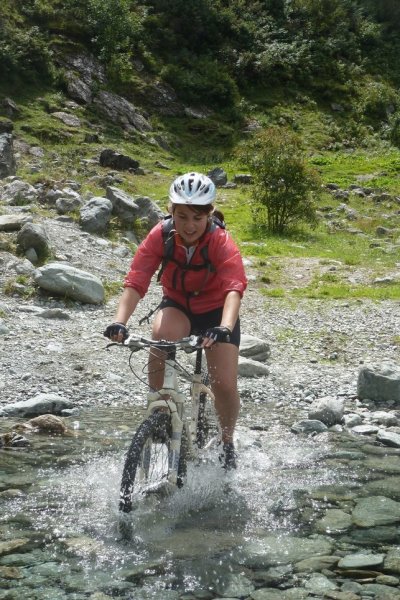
[(276, 550), (376, 510), (251, 368), (392, 560), (235, 586), (390, 486), (334, 521), (381, 592), (309, 426), (355, 561), (388, 438), (39, 405), (329, 410)]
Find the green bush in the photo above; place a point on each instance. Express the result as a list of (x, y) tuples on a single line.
[(24, 53), (204, 81), (285, 187)]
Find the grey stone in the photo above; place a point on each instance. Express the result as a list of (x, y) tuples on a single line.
[(13, 222), (34, 235), (329, 410), (95, 215), (376, 510), (254, 348), (119, 110), (334, 521), (309, 426), (251, 368), (7, 160), (388, 438), (392, 560), (18, 192), (218, 176), (358, 560), (379, 383), (67, 281), (283, 549), (38, 405)]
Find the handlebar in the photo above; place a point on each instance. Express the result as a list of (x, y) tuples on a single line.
[(135, 343)]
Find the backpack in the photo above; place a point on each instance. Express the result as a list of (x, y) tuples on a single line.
[(183, 268)]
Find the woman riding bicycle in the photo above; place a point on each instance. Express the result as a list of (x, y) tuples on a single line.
[(203, 281)]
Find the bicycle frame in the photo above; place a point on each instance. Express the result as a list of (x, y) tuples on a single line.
[(171, 398)]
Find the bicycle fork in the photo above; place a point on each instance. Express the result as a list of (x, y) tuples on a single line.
[(168, 399)]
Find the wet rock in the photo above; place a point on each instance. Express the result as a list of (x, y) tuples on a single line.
[(392, 560), (10, 546), (390, 486), (376, 510), (235, 586), (381, 592), (365, 429), (46, 423), (388, 438), (319, 584), (329, 410), (355, 561), (11, 573), (13, 440), (334, 521), (284, 549), (308, 426), (316, 563), (40, 404), (274, 594)]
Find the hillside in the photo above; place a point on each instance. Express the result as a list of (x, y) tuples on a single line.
[(178, 87)]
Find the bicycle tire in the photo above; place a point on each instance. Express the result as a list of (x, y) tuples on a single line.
[(207, 421), (148, 455)]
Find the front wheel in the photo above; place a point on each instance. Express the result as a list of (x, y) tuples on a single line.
[(148, 460)]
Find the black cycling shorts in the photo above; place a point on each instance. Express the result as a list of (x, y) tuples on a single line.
[(201, 322)]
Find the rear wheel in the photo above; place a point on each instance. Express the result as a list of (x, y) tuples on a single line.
[(148, 460)]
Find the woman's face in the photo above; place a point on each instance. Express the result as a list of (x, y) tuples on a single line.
[(189, 223)]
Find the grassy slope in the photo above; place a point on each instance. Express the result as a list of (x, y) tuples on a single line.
[(203, 144)]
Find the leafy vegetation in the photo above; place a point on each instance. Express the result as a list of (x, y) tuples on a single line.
[(284, 185), (320, 78)]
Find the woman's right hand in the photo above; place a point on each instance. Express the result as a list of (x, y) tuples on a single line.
[(117, 332)]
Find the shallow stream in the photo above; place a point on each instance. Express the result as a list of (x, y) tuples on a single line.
[(60, 529)]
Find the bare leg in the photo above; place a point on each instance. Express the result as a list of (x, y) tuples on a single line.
[(170, 324), (222, 362)]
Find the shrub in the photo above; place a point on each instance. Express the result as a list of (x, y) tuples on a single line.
[(285, 187)]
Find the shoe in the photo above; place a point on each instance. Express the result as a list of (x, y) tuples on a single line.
[(228, 456)]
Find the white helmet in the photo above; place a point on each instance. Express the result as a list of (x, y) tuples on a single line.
[(192, 188)]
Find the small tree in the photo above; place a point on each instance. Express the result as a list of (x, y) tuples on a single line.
[(285, 187)]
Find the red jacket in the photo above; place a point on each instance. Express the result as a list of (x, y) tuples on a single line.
[(206, 290)]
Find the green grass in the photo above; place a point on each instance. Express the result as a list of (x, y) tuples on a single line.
[(338, 291)]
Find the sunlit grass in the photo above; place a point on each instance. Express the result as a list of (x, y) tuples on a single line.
[(338, 291)]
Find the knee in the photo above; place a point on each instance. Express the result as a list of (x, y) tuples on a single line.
[(224, 388)]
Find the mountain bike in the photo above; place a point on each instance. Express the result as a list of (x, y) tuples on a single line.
[(170, 435)]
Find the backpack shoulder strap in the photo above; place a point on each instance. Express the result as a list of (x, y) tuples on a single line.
[(168, 243)]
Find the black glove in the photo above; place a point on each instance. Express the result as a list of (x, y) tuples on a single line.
[(218, 334), (114, 329)]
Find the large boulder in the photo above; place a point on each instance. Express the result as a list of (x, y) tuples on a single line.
[(96, 214), (115, 160), (130, 209), (67, 281), (379, 383), (34, 236)]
